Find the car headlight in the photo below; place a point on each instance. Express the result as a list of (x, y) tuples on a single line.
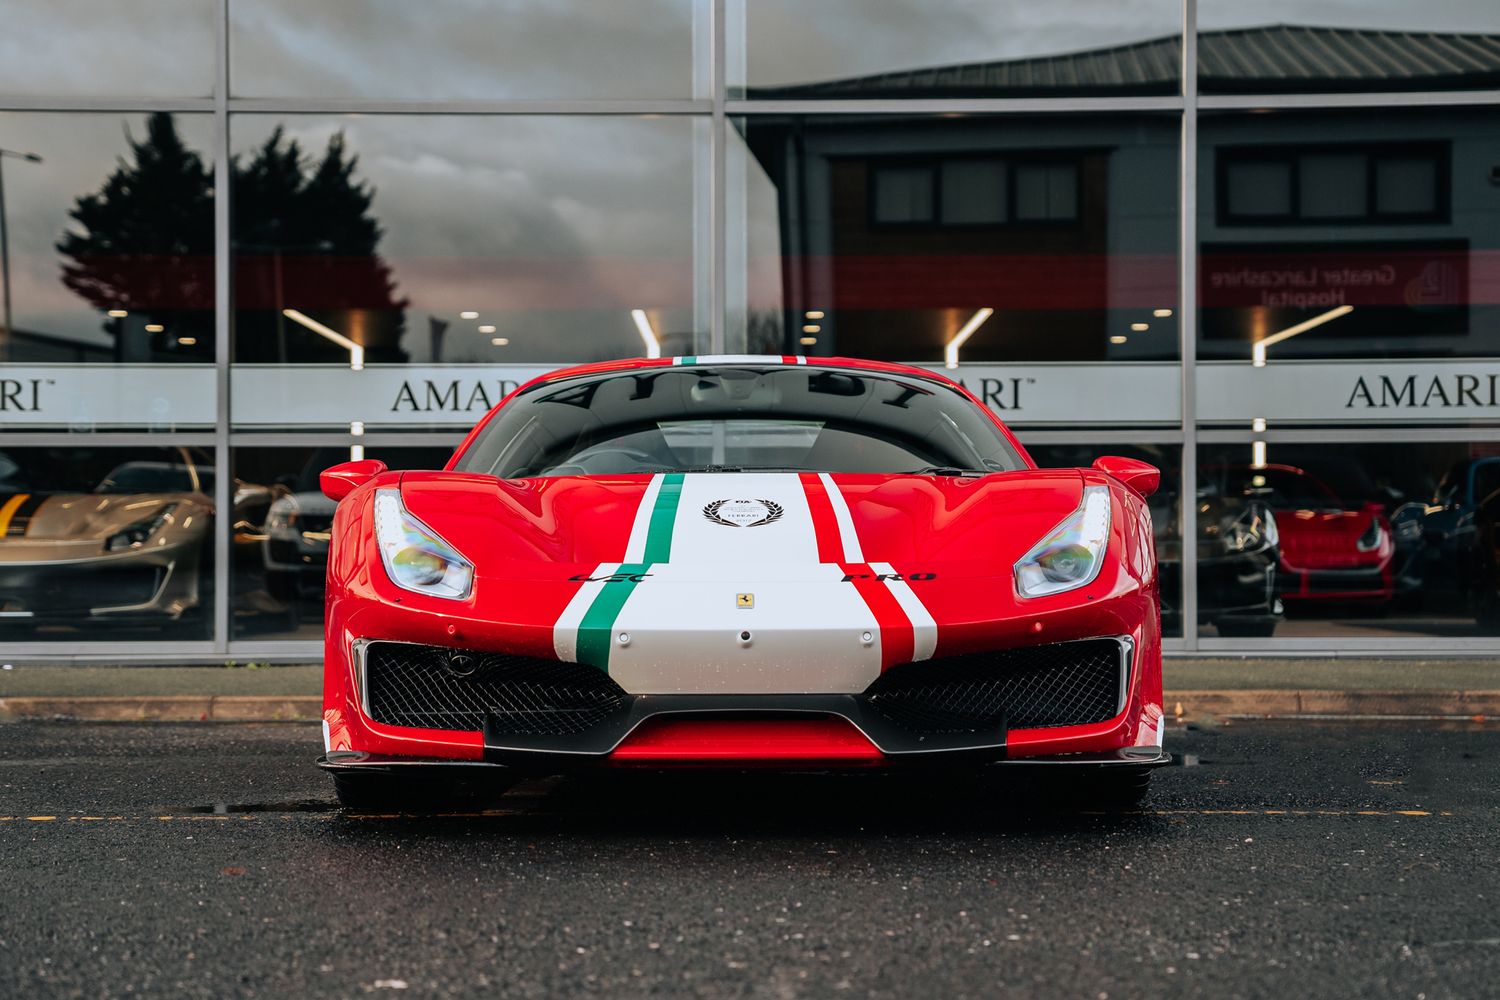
[(415, 557), (1071, 554), (138, 533), (1373, 537), (282, 516), (1253, 530)]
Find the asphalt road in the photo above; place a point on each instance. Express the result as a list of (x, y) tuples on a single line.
[(1292, 860)]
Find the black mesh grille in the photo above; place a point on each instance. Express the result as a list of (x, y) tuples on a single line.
[(1064, 684), (414, 686)]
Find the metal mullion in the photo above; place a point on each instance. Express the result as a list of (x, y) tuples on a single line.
[(112, 104), (1344, 646), (718, 230), (224, 480), (1351, 435), (1376, 99), (384, 439), (92, 651), (1087, 437), (97, 439), (324, 106), (973, 105), (282, 650), (1187, 327)]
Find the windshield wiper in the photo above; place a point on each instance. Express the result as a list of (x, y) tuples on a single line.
[(947, 470)]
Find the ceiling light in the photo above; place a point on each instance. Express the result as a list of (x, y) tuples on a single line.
[(118, 313), (499, 341), (1258, 424), (808, 341), (487, 328), (187, 341), (950, 350), (1118, 339), (356, 352), (1258, 460), (812, 328), (1258, 349), (648, 335), (1161, 313), (1140, 327), (468, 314), (154, 328), (815, 314)]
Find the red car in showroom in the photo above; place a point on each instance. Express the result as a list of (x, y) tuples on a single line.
[(1331, 552), (739, 562)]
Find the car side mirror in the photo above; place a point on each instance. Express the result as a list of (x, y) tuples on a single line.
[(342, 480), (1142, 477)]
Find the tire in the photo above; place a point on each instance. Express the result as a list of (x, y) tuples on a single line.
[(1246, 630), (387, 792)]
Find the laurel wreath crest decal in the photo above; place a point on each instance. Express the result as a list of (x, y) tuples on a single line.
[(743, 513)]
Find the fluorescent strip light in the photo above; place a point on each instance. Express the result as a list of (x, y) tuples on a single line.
[(648, 335), (950, 351), (356, 352), (1257, 454), (1258, 349)]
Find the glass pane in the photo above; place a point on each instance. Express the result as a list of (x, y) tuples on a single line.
[(1165, 518), (281, 547), (107, 543), (903, 194), (111, 238), (99, 48), (1259, 188), (951, 48), (467, 49), (369, 240), (1083, 271), (1332, 185), (1374, 540), (1413, 276), (1335, 45), (1406, 186), (974, 192)]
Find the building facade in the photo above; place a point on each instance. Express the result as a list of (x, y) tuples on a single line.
[(247, 239)]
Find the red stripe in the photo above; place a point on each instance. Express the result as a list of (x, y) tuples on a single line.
[(897, 643), (825, 525)]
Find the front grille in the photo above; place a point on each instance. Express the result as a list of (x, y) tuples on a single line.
[(410, 685), (1063, 684)]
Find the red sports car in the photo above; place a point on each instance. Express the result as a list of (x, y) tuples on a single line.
[(739, 561), (1330, 552)]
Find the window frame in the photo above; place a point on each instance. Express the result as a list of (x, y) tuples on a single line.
[(1440, 154), (934, 163)]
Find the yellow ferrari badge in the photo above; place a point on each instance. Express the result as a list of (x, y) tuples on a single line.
[(744, 600)]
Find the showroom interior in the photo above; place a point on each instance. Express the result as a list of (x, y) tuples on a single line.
[(1256, 245)]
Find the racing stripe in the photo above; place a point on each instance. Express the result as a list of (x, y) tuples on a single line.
[(896, 640), (658, 540), (8, 511), (826, 526), (923, 626), (635, 545), (596, 632), (847, 535), (565, 629)]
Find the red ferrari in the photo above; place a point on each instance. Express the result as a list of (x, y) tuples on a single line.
[(1330, 552), (739, 562)]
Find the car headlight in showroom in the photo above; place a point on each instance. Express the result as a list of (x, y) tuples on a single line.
[(139, 533), (282, 517), (416, 558), (1071, 554), (1373, 537)]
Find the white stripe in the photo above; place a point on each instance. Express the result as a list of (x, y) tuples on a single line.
[(635, 548), (923, 628), (800, 360), (847, 535), (788, 539), (565, 631)]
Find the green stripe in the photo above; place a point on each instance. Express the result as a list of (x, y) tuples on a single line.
[(596, 631), (663, 516), (689, 359)]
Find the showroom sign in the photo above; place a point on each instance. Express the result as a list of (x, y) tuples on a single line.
[(457, 395), (85, 397), (1349, 392)]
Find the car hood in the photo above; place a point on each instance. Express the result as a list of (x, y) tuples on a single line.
[(81, 516), (738, 519), (1322, 537)]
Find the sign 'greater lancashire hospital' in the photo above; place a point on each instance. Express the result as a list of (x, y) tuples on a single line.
[(1121, 394)]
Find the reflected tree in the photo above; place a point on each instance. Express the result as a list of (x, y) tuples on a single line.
[(305, 241)]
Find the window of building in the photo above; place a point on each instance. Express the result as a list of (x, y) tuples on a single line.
[(903, 195), (1333, 184), (974, 192)]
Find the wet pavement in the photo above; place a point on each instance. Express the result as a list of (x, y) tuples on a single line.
[(1287, 859)]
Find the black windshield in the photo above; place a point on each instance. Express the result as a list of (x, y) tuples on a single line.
[(711, 418)]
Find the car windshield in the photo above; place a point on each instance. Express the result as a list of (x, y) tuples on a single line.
[(147, 477), (733, 418)]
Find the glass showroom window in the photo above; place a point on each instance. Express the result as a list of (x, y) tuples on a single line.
[(109, 543), (281, 555), (882, 49), (400, 271)]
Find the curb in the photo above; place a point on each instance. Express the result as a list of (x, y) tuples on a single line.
[(167, 708), (1244, 704)]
